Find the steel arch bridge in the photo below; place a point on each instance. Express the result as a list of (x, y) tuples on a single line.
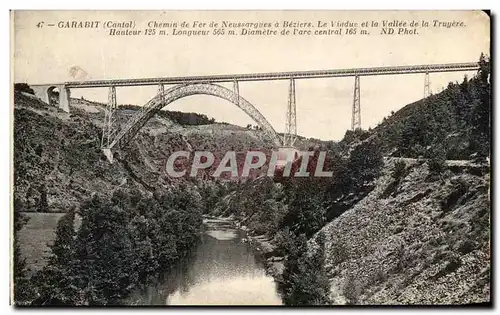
[(113, 137)]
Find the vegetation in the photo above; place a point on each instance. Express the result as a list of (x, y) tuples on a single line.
[(23, 87), (20, 272), (455, 121), (305, 281), (127, 240), (185, 119), (399, 170), (305, 204), (292, 209), (124, 243), (437, 162)]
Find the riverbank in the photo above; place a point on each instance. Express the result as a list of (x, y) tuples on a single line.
[(264, 248), (225, 270), (273, 263)]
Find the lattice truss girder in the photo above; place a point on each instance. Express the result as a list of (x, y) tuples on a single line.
[(471, 66)]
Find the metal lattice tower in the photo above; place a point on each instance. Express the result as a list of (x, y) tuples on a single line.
[(427, 85), (356, 106), (291, 117), (109, 128)]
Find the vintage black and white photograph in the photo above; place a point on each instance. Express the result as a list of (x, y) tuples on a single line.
[(272, 158)]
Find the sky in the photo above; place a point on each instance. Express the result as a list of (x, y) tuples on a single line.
[(324, 106)]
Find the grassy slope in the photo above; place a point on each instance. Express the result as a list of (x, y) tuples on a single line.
[(34, 237)]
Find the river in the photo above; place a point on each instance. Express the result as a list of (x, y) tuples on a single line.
[(223, 271)]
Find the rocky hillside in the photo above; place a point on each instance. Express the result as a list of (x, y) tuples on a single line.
[(58, 161), (414, 239)]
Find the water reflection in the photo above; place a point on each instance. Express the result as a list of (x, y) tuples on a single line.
[(223, 271)]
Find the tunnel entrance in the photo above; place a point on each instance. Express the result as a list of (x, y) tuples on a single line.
[(53, 95)]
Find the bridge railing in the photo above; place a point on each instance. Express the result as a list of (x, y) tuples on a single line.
[(470, 66)]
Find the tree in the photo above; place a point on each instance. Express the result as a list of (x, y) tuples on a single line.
[(55, 283), (23, 87), (365, 163), (22, 287), (306, 213), (481, 113), (43, 205), (305, 281), (106, 265), (124, 243), (61, 249)]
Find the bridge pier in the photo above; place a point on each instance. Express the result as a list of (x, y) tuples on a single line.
[(47, 94), (109, 155), (108, 129), (161, 91), (427, 85), (356, 106), (291, 117), (236, 90)]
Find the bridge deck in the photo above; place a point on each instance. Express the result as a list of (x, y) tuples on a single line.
[(471, 66)]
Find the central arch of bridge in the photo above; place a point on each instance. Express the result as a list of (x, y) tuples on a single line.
[(163, 99)]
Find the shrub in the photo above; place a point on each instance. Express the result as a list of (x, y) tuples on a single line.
[(399, 169), (437, 165)]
